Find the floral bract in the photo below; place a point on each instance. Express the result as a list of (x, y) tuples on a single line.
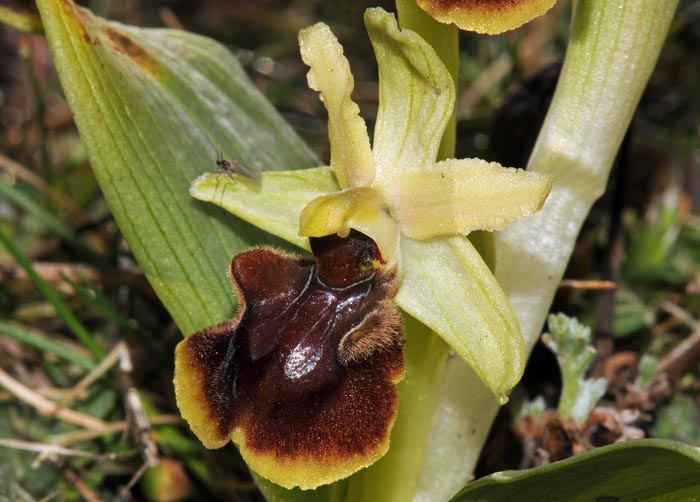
[(415, 210)]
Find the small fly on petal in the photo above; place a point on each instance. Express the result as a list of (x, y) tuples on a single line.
[(231, 167)]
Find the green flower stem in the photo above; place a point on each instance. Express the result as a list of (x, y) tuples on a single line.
[(396, 475), (612, 50)]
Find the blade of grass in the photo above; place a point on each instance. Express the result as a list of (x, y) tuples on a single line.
[(93, 297), (66, 204), (42, 342), (47, 220), (72, 322), (21, 18)]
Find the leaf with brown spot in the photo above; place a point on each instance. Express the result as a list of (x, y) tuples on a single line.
[(304, 379), (152, 106), (124, 44)]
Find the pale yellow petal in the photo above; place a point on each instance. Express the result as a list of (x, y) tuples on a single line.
[(459, 196), (362, 209), (351, 154)]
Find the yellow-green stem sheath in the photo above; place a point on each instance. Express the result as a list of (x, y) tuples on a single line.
[(612, 50)]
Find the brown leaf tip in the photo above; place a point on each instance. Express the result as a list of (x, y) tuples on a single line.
[(305, 379), (108, 36), (486, 16), (126, 45)]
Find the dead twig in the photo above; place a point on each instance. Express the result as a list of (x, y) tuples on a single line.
[(588, 284), (681, 359), (487, 79), (141, 427), (125, 492), (52, 449), (680, 314), (112, 428), (81, 387), (46, 406), (85, 491)]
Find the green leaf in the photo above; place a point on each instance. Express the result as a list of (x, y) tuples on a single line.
[(275, 204), (448, 287), (651, 470), (653, 239), (152, 106), (679, 420), (631, 313)]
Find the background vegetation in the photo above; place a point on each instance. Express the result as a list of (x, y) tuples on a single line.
[(70, 290)]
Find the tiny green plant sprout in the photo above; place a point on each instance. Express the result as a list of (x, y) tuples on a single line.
[(325, 334)]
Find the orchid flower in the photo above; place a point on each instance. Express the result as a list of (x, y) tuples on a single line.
[(486, 16), (315, 353)]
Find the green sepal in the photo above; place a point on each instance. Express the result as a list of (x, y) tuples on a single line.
[(447, 286), (275, 204)]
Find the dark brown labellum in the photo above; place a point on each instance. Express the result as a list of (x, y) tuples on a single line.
[(304, 380)]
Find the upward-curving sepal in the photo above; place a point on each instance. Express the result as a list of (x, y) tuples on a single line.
[(304, 380), (416, 97), (351, 154)]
